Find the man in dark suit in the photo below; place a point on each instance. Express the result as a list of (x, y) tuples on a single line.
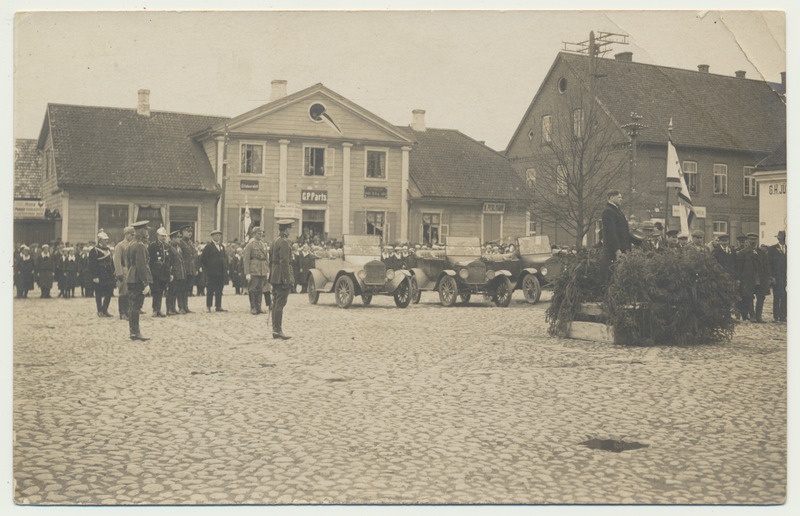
[(215, 264), (281, 277), (777, 259), (138, 276), (161, 268), (616, 234)]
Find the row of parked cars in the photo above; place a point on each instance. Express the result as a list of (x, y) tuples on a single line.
[(457, 272)]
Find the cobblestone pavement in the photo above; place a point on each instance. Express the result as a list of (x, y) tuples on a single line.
[(427, 405)]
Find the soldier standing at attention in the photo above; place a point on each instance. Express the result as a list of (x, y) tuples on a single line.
[(189, 267), (256, 270), (139, 277), (161, 269), (101, 269), (121, 271), (281, 277), (178, 277)]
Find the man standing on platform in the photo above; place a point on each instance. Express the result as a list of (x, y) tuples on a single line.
[(138, 278), (256, 270), (616, 234), (121, 271), (161, 268), (281, 277), (214, 260)]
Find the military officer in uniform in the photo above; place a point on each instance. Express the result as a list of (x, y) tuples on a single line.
[(138, 278), (101, 269), (256, 270), (175, 295), (121, 271), (189, 267), (281, 277), (161, 269)]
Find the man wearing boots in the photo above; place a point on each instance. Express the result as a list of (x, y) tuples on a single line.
[(161, 268), (121, 271), (101, 269), (188, 255), (281, 277), (256, 270), (175, 291), (139, 278)]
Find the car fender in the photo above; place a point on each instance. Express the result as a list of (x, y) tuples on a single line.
[(422, 279), (502, 272), (399, 276), (319, 280), (357, 283), (446, 272)]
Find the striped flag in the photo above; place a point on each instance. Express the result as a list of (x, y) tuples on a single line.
[(675, 179)]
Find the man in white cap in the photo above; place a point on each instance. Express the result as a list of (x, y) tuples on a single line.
[(281, 277), (161, 268), (121, 270), (139, 277), (101, 269), (214, 260), (45, 271)]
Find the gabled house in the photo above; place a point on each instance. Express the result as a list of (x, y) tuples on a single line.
[(105, 168), (722, 127), (33, 223)]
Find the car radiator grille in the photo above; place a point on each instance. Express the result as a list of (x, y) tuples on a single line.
[(477, 273), (376, 274)]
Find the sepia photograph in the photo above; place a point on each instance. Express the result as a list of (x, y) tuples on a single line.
[(331, 258)]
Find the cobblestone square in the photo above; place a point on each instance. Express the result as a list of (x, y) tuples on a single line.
[(379, 405)]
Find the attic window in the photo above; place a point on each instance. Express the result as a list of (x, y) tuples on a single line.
[(562, 85), (530, 134), (316, 112)]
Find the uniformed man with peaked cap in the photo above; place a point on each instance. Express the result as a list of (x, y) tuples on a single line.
[(139, 277), (281, 276)]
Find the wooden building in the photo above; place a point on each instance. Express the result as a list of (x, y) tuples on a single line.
[(33, 222)]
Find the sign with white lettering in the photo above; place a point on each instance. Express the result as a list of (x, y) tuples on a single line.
[(28, 209), (314, 197), (380, 192), (248, 184), (699, 211), (494, 207), (287, 211)]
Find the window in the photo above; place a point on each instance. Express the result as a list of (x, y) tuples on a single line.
[(530, 134), (376, 222), (112, 218), (533, 226), (530, 177), (314, 161), (313, 225), (561, 180), (749, 182), (562, 85), (431, 224), (720, 227), (249, 218), (547, 122), (153, 214), (49, 164), (577, 123), (376, 164), (252, 158), (690, 175), (180, 216), (720, 179)]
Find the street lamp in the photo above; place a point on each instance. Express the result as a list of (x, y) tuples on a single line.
[(632, 128)]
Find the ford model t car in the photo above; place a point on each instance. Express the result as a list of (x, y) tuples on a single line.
[(359, 272), (539, 266)]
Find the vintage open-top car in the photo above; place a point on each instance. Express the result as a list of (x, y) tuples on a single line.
[(460, 271), (359, 272), (539, 266)]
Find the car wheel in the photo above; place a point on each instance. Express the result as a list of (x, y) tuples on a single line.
[(345, 291), (402, 294), (313, 293), (531, 288), (448, 291), (366, 298), (502, 292), (465, 298), (416, 293)]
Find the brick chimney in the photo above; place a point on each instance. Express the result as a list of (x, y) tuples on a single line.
[(703, 68), (624, 56), (143, 106), (740, 74), (278, 90), (418, 121)]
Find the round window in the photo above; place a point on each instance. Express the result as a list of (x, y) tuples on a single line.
[(562, 85), (315, 111)]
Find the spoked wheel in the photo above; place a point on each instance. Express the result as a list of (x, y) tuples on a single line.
[(402, 294), (416, 293), (313, 293), (503, 291), (465, 297), (448, 291), (532, 289), (345, 291), (366, 298)]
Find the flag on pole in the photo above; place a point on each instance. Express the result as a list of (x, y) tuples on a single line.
[(246, 223), (676, 180)]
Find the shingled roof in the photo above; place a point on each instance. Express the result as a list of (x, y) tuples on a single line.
[(708, 110), (446, 163), (27, 170), (112, 147), (776, 160)]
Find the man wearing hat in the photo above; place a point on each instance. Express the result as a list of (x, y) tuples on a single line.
[(121, 270), (777, 259), (23, 272), (214, 260), (139, 277), (281, 276), (161, 268), (683, 239), (672, 239), (45, 271), (724, 255), (189, 266), (748, 272), (175, 291), (698, 239), (256, 270), (101, 269), (616, 233)]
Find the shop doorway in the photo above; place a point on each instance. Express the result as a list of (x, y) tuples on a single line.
[(313, 226)]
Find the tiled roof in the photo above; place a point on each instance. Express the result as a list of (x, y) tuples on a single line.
[(775, 160), (445, 163), (27, 170), (112, 147), (707, 109)]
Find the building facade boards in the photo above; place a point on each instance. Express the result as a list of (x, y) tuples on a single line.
[(771, 177), (722, 127), (313, 155)]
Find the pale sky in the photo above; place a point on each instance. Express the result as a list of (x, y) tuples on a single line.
[(472, 71)]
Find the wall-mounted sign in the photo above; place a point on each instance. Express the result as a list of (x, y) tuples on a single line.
[(494, 207), (380, 192), (248, 184), (699, 211), (776, 189), (28, 209), (287, 211), (314, 197)]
